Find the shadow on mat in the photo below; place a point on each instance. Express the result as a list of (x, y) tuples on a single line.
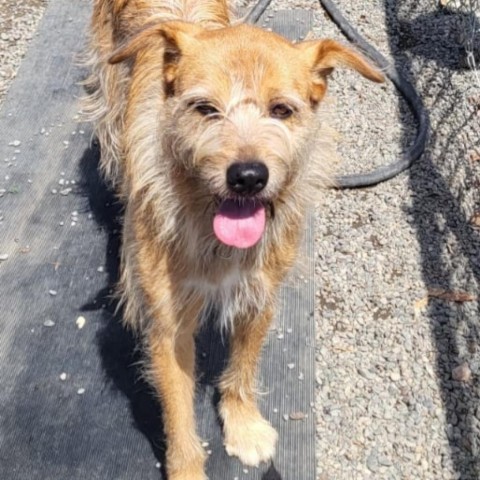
[(438, 188), (119, 349)]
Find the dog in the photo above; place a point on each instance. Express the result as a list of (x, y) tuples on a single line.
[(209, 133)]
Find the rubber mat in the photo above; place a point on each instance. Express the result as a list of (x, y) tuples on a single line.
[(72, 404)]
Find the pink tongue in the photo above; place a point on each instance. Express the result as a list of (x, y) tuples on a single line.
[(239, 224)]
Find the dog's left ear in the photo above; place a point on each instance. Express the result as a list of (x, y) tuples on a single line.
[(326, 55), (171, 37)]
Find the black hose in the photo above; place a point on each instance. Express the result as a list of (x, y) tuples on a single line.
[(407, 90), (257, 11), (404, 87)]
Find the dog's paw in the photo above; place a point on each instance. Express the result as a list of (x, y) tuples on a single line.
[(252, 440)]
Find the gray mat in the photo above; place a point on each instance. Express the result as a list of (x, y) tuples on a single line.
[(71, 403)]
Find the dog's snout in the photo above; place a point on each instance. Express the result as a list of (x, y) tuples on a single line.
[(247, 178)]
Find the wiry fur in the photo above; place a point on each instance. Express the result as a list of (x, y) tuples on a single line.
[(168, 164)]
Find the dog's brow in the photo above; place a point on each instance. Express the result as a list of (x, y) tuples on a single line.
[(195, 94), (243, 101), (295, 101)]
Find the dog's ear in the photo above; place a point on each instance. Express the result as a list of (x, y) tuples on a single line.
[(174, 37), (326, 55)]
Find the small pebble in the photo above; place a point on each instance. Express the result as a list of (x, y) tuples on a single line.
[(52, 292), (291, 366), (80, 322), (48, 323), (297, 416), (3, 257), (81, 391), (395, 376), (462, 373), (100, 269), (63, 376), (15, 143), (158, 465)]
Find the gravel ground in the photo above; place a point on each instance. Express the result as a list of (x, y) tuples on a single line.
[(18, 22), (391, 402), (398, 265)]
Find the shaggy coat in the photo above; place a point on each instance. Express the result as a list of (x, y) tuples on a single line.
[(178, 94)]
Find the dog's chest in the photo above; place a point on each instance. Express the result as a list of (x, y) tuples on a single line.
[(222, 286)]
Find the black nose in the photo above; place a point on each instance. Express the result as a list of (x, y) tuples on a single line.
[(247, 178)]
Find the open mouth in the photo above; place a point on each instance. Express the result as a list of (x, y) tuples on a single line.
[(240, 222)]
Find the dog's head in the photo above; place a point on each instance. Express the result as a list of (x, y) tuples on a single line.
[(240, 108)]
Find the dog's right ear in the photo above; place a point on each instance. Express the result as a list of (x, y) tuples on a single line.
[(173, 37), (324, 56)]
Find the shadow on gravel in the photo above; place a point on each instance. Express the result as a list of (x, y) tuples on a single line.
[(438, 189)]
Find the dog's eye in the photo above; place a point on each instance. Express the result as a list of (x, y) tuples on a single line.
[(281, 111), (206, 109)]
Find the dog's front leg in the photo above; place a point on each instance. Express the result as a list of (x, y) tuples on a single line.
[(172, 372), (247, 434)]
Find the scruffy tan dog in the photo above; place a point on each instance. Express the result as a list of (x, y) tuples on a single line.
[(207, 132)]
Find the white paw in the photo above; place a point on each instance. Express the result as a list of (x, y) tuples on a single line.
[(252, 440)]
